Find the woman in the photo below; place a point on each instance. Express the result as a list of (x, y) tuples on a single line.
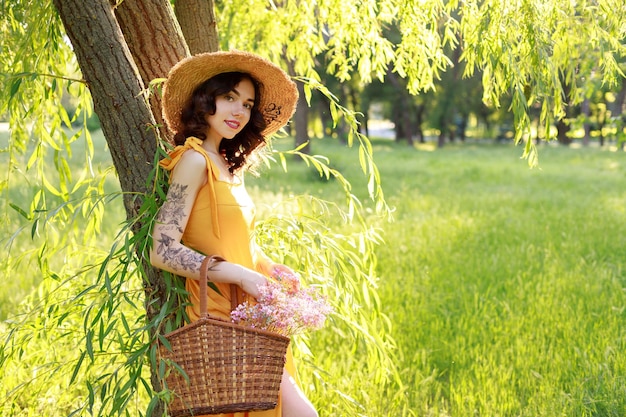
[(221, 106)]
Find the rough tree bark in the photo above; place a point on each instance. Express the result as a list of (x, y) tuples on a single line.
[(116, 87), (197, 21), (155, 42)]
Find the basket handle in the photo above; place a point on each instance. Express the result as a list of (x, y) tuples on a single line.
[(207, 263)]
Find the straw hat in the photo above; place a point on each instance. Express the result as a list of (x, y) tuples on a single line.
[(279, 94)]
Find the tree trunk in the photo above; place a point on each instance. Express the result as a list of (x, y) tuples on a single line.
[(406, 120), (585, 109), (301, 116), (324, 115), (601, 123), (197, 21), (398, 126), (301, 119), (441, 139), (155, 43), (419, 119), (404, 129), (562, 130), (355, 102), (116, 86), (617, 108)]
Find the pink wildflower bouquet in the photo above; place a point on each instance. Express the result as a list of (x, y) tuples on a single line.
[(283, 307)]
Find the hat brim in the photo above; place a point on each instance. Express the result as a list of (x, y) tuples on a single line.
[(278, 93)]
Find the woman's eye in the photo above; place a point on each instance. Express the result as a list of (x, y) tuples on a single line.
[(248, 106)]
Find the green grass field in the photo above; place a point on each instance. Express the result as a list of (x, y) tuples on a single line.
[(505, 285)]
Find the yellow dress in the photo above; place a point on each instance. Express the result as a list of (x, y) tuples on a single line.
[(221, 223)]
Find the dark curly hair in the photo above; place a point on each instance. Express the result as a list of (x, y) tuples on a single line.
[(202, 102)]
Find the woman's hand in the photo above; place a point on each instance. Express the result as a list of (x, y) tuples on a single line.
[(251, 281), (286, 277)]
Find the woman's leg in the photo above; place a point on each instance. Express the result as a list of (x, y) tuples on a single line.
[(294, 402)]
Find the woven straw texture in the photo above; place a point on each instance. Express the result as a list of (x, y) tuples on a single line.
[(231, 368), (278, 95)]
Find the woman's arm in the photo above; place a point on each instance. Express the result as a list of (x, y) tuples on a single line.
[(169, 253), (275, 270), (262, 262)]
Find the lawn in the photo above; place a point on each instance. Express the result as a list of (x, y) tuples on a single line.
[(504, 285), (511, 282)]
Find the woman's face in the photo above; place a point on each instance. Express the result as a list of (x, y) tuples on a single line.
[(232, 111)]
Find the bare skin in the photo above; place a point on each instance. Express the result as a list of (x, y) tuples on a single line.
[(295, 402)]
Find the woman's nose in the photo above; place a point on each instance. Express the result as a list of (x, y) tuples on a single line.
[(238, 109)]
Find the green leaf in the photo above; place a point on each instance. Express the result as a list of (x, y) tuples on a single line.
[(166, 343), (21, 211), (77, 367), (15, 86), (89, 344)]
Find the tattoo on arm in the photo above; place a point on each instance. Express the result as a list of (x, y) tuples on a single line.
[(170, 216), (172, 212), (178, 258)]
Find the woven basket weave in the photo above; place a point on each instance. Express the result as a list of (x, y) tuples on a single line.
[(230, 368)]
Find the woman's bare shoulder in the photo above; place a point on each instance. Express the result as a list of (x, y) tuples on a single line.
[(192, 166)]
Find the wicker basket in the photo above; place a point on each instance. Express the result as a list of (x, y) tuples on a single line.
[(229, 368)]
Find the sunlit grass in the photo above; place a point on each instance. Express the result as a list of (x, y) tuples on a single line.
[(504, 285)]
